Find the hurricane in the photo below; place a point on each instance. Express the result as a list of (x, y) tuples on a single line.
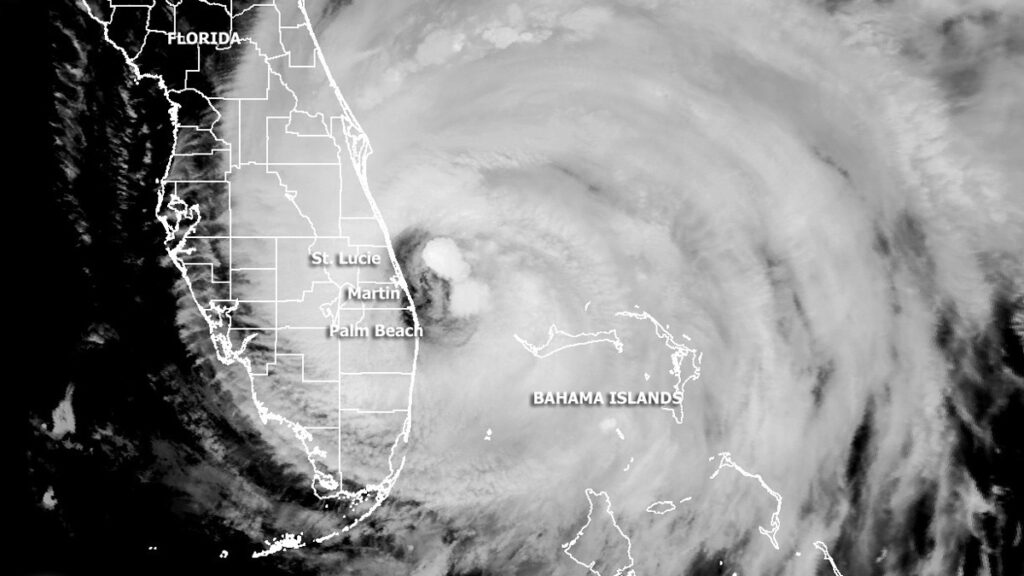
[(799, 224)]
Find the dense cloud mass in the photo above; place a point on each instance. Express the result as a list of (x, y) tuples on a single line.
[(815, 197), (824, 198)]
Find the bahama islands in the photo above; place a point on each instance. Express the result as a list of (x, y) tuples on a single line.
[(615, 398)]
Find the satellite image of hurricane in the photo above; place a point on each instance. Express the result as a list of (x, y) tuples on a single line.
[(553, 287)]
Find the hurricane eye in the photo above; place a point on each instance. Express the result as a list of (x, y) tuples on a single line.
[(447, 296)]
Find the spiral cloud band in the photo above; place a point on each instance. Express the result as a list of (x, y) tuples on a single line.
[(780, 192)]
